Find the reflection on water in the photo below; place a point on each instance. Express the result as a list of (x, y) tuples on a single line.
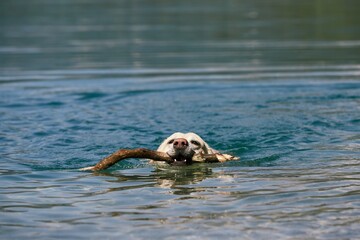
[(274, 82), (165, 177)]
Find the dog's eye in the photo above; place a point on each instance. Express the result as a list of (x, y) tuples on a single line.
[(171, 141), (195, 142)]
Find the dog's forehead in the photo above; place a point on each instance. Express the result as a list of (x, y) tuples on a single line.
[(188, 136)]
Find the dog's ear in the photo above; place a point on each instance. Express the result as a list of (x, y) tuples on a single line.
[(205, 148), (212, 151)]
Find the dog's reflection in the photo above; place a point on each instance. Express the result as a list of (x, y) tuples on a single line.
[(179, 177), (176, 178)]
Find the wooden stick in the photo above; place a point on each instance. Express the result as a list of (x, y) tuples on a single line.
[(129, 153), (153, 155)]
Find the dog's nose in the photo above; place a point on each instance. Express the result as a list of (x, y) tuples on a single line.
[(180, 143)]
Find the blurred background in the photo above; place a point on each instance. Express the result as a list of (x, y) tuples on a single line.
[(130, 35)]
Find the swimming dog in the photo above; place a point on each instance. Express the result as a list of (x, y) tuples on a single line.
[(183, 146)]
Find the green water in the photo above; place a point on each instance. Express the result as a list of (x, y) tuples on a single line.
[(273, 82)]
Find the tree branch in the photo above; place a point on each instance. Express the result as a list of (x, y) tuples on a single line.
[(153, 155)]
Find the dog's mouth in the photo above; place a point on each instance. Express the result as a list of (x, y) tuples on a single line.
[(181, 160)]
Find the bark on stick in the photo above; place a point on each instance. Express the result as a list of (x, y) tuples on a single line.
[(153, 155)]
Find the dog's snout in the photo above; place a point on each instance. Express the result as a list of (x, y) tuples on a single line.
[(180, 143)]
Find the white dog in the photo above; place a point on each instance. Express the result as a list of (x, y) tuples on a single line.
[(183, 146)]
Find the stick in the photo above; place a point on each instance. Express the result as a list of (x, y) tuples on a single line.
[(129, 153), (153, 155)]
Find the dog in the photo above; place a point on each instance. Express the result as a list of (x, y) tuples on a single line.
[(181, 147)]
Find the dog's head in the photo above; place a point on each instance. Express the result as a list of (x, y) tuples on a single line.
[(182, 146)]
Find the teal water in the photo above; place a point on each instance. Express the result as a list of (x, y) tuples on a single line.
[(273, 82)]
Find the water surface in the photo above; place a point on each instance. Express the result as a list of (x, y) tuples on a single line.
[(273, 82)]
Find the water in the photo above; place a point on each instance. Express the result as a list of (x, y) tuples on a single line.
[(273, 82)]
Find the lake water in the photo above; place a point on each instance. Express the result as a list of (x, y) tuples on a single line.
[(273, 82)]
